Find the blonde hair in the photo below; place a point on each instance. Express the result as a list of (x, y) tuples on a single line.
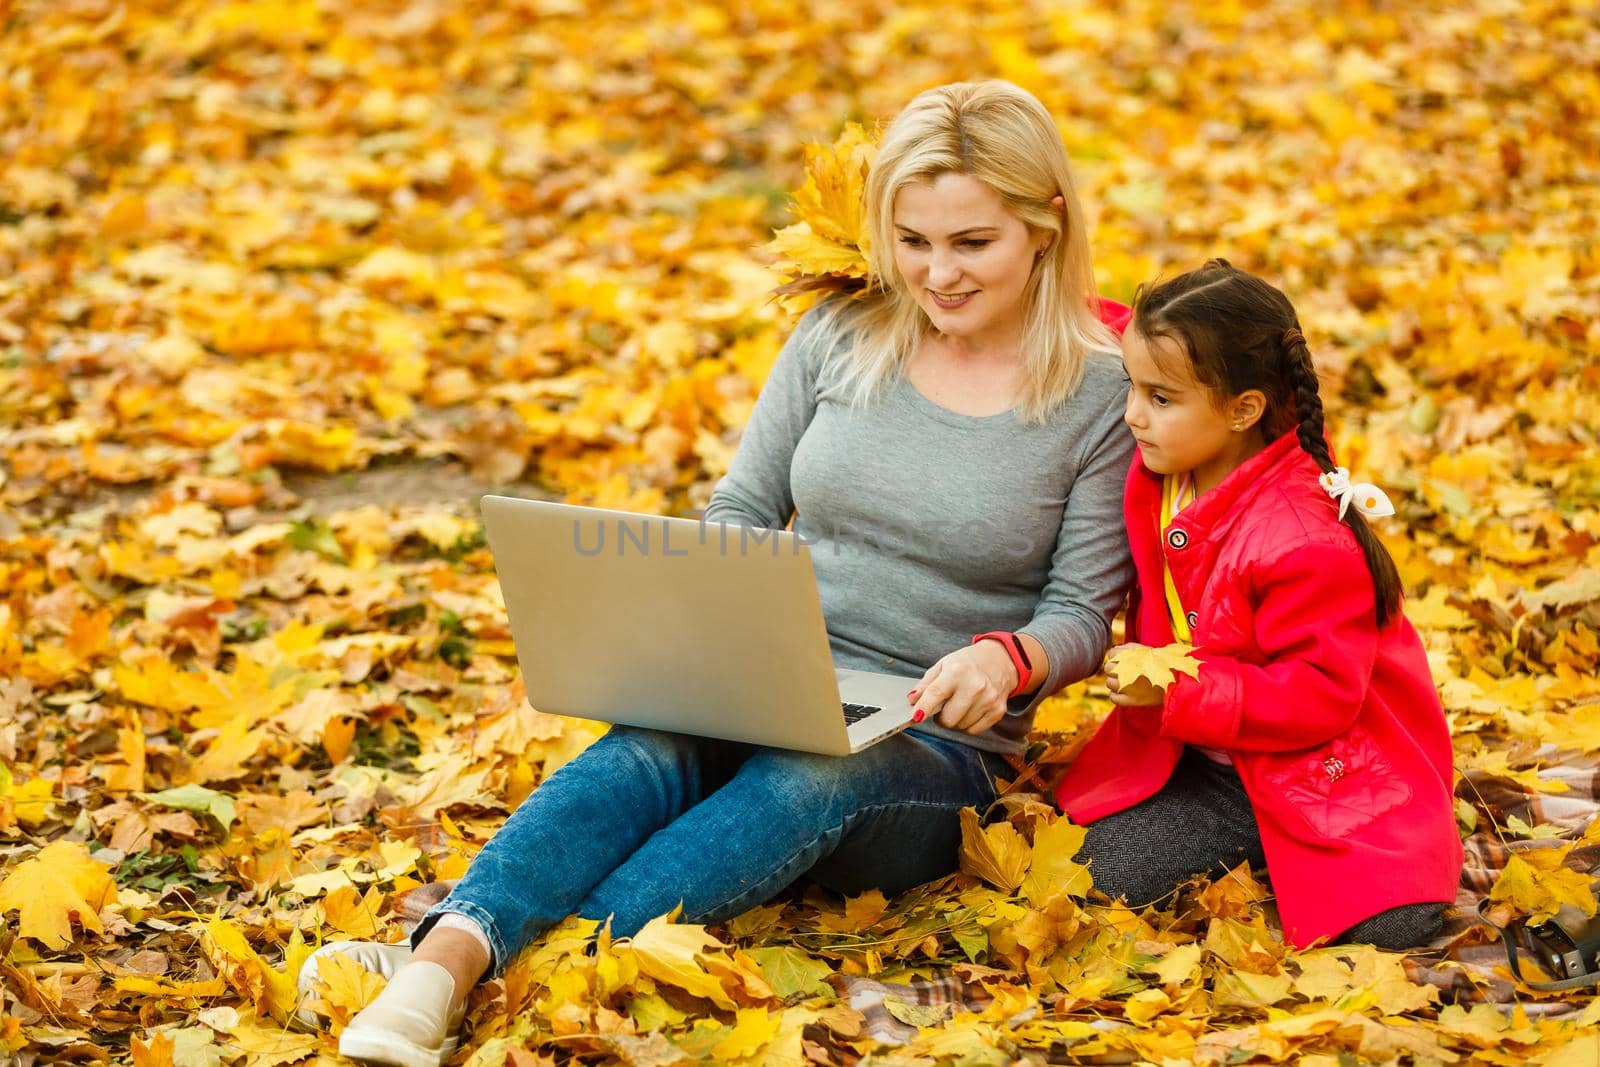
[(1001, 135)]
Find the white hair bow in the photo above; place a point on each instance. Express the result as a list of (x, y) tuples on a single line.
[(1370, 501)]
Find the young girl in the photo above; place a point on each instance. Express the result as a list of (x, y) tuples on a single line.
[(1312, 740)]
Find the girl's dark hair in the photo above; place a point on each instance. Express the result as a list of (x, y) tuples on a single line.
[(1241, 333)]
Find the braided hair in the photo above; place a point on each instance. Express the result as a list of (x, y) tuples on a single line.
[(1241, 333)]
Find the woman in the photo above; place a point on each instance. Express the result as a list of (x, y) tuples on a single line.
[(951, 446)]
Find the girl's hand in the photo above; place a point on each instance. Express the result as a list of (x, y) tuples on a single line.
[(1138, 693), (967, 689)]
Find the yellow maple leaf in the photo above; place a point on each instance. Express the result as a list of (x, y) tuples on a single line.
[(1497, 761), (1433, 612), (1538, 883), (138, 562), (1332, 113), (866, 909), (124, 769), (1234, 895), (324, 448), (1537, 280), (353, 915), (860, 912), (252, 692), (168, 989), (1323, 975), (829, 235), (295, 640), (449, 784), (1146, 1005), (753, 1028), (269, 1046), (740, 975), (831, 199), (516, 731), (1158, 666), (1053, 869), (156, 682), (307, 720), (801, 250), (49, 889), (1248, 989), (157, 1052), (996, 853), (26, 802), (670, 952), (1384, 982), (344, 987), (233, 747), (1179, 965), (90, 632), (1482, 1022), (273, 991), (50, 664), (392, 264)]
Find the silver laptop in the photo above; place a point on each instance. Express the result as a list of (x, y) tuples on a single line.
[(699, 628)]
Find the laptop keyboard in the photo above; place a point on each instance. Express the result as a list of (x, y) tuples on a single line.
[(854, 713)]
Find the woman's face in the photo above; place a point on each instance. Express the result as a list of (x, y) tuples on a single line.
[(966, 258)]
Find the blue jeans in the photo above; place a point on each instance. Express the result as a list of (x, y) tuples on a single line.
[(642, 821)]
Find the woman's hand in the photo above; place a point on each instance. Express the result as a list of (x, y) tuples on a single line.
[(1139, 692), (967, 689)]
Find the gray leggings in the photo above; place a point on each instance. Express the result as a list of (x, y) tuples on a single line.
[(1201, 823)]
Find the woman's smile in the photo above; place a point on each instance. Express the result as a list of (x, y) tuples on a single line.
[(951, 301)]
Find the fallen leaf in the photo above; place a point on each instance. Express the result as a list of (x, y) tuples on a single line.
[(918, 1015), (192, 797), (1158, 666), (753, 1028), (1053, 869), (792, 972), (670, 952), (1537, 883), (344, 987), (60, 883), (997, 853)]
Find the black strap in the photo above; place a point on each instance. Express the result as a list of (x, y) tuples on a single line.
[(1583, 981)]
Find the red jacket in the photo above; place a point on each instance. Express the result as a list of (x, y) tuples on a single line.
[(1333, 725), (1112, 314)]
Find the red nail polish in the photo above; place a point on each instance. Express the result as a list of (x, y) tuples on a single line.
[(913, 695), (919, 716)]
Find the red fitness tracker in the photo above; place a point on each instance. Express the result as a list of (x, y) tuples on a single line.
[(1018, 654)]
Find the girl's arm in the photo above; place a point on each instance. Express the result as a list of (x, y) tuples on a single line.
[(1316, 627), (756, 490)]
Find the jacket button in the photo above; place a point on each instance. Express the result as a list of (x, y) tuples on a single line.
[(1177, 538), (1193, 619)]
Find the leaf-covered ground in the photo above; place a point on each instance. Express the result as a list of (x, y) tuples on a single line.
[(244, 241)]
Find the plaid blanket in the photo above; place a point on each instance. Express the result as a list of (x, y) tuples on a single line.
[(1466, 962)]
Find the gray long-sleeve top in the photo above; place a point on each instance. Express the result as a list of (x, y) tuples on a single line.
[(927, 526)]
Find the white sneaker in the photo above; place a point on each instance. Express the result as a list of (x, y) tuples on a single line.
[(373, 956), (409, 1024)]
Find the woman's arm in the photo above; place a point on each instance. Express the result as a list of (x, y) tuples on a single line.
[(1090, 570), (756, 490)]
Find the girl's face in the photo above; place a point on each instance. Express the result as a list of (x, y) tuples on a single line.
[(966, 258), (1178, 422)]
